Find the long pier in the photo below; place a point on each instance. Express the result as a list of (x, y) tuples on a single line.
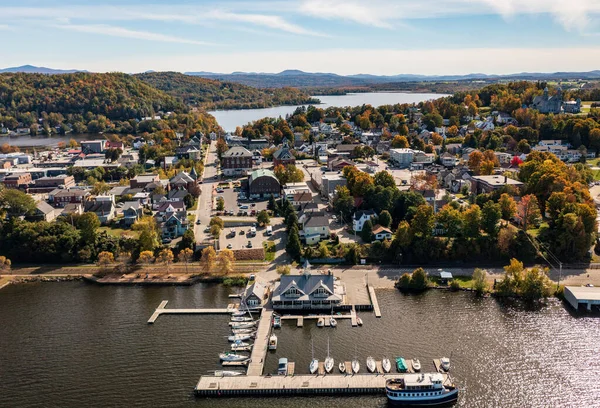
[(259, 351), (374, 301), (294, 385), (160, 310)]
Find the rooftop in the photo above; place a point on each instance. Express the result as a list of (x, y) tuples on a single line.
[(584, 292)]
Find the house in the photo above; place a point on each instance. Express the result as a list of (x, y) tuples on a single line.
[(132, 211), (169, 161), (337, 163), (346, 150), (71, 209), (171, 207), (401, 157), (263, 183), (381, 233), (103, 207), (315, 227), (306, 292), (301, 199), (182, 180), (360, 217), (548, 104), (254, 295), (50, 183), (328, 182), (283, 156), (188, 152), (142, 180), (236, 161), (454, 148), (572, 106), (45, 211), (93, 146), (61, 198), (113, 145), (487, 184), (448, 160), (19, 180), (172, 224)]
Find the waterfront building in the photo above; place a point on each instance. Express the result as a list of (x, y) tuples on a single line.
[(306, 292)]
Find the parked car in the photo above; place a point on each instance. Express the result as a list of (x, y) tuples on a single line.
[(249, 244), (198, 222), (244, 207), (207, 230), (166, 241), (229, 246)]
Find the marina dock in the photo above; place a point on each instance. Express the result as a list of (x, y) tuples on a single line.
[(160, 310), (259, 351), (326, 318), (293, 385), (374, 301)]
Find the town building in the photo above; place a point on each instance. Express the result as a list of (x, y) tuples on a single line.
[(381, 233), (19, 180), (93, 146), (61, 198), (50, 183), (142, 180), (548, 104), (182, 180), (236, 161), (401, 157), (45, 212), (488, 184), (255, 295), (283, 156), (306, 292), (337, 163), (263, 183)]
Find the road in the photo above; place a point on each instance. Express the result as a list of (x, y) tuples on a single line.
[(203, 211)]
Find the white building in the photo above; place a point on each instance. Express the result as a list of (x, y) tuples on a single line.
[(402, 157), (360, 217)]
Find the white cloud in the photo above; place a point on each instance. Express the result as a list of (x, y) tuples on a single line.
[(269, 21), (113, 31), (456, 61), (4, 27)]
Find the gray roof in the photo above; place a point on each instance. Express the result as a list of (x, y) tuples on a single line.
[(44, 207), (317, 220), (359, 214), (237, 151), (306, 285)]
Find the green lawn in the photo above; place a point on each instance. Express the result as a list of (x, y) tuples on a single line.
[(118, 232), (465, 282), (270, 250)]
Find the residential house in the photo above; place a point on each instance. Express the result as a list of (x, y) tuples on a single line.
[(448, 160), (103, 207), (236, 161), (347, 150), (263, 183), (172, 224), (306, 292), (572, 106), (301, 199), (177, 194), (283, 156), (188, 152), (360, 217), (487, 184), (315, 227), (142, 180), (454, 148), (291, 189), (61, 198), (182, 180), (381, 233), (45, 212), (71, 209), (171, 207), (132, 211), (337, 163)]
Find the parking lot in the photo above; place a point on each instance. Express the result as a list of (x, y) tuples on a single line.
[(233, 207), (242, 236)]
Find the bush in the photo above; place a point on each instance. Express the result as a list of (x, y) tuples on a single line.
[(417, 281), (454, 285), (235, 281), (283, 269)]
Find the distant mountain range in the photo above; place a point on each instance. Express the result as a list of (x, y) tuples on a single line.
[(30, 69)]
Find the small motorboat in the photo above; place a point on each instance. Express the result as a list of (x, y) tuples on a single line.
[(242, 331), (242, 325), (320, 322), (445, 363), (314, 366), (273, 342), (228, 373), (416, 364), (233, 357), (386, 365), (401, 365), (247, 347), (355, 366), (282, 368), (241, 319), (359, 321), (241, 337), (333, 322), (277, 322), (342, 367), (371, 365), (238, 313)]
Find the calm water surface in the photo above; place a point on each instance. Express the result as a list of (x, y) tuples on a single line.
[(79, 345), (230, 119)]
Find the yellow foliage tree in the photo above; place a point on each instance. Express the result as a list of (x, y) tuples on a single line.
[(225, 261)]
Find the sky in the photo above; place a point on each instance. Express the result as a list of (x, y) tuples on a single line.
[(382, 37)]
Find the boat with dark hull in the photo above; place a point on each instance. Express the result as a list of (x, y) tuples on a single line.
[(427, 389)]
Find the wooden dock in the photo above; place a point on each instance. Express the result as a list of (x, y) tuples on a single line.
[(291, 368), (160, 310), (259, 351), (353, 320), (348, 365), (321, 369), (300, 322), (326, 318), (438, 366), (374, 301), (293, 385)]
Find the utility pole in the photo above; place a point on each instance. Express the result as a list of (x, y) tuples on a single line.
[(559, 273)]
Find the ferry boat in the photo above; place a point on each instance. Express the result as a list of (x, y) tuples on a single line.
[(282, 368), (273, 342), (421, 389), (401, 365)]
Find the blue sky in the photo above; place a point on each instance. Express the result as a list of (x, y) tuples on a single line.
[(342, 36)]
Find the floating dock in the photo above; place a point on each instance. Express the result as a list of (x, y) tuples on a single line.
[(211, 386), (326, 318), (374, 301), (438, 366), (291, 368), (160, 310), (259, 351)]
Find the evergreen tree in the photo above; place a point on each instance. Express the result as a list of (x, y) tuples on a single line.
[(367, 231), (293, 246)]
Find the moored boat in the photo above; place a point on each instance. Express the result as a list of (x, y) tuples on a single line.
[(371, 365), (273, 342), (333, 322), (342, 367), (228, 373), (355, 366), (314, 363), (401, 365), (276, 322), (416, 364), (235, 347), (445, 363), (386, 365), (329, 360), (233, 357), (242, 331), (282, 368), (241, 337), (241, 319), (421, 389), (242, 325), (359, 321), (320, 322), (238, 313)]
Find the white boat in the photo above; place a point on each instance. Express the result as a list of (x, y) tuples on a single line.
[(235, 347), (333, 322), (242, 331), (342, 367), (282, 368), (359, 321), (277, 322), (241, 344), (228, 373), (421, 389), (238, 313), (445, 363), (242, 325), (233, 357), (273, 342), (416, 364), (320, 322), (355, 366), (240, 337), (386, 364), (329, 363), (241, 319), (314, 363), (371, 365)]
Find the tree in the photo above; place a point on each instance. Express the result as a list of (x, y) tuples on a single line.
[(220, 203), (423, 222), (145, 258), (323, 250), (188, 240), (165, 257), (215, 231), (472, 221), (528, 211), (508, 206), (490, 216), (291, 221), (384, 179), (476, 158), (263, 218), (217, 221), (479, 281), (419, 280), (221, 147), (225, 261), (16, 203), (343, 202), (293, 246), (87, 224), (148, 233), (403, 235), (367, 231), (105, 259), (399, 142), (5, 264), (185, 255), (207, 259), (385, 219), (283, 269), (272, 205), (450, 220), (353, 254)]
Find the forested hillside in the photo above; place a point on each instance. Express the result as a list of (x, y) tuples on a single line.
[(213, 94)]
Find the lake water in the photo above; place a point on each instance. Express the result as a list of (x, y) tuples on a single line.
[(79, 345), (28, 141), (230, 119)]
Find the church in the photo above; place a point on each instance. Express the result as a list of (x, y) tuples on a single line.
[(548, 104)]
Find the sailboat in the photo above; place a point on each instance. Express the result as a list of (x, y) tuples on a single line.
[(228, 373), (314, 363), (242, 331), (355, 363), (333, 322), (342, 367), (386, 365), (371, 365), (242, 325), (329, 360), (233, 357), (241, 319)]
